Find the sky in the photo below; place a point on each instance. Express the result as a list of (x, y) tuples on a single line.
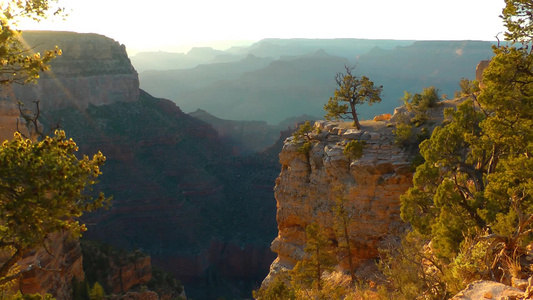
[(176, 25)]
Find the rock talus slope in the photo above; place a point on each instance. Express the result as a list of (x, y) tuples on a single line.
[(308, 186)]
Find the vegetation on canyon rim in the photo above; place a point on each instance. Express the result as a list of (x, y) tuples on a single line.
[(44, 187), (353, 90), (471, 204)]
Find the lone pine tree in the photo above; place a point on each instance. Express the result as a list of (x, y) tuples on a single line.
[(351, 90)]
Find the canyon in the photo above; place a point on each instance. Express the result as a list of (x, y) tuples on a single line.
[(195, 192), (181, 193)]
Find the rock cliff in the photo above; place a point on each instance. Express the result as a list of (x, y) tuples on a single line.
[(180, 192), (93, 70), (117, 271), (308, 185), (9, 113), (52, 268)]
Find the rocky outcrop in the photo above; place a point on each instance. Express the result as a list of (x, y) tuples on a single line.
[(308, 186), (52, 268), (481, 66), (485, 290), (93, 70), (135, 273)]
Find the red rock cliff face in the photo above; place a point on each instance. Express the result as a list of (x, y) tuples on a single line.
[(306, 188), (9, 113), (93, 70), (52, 269)]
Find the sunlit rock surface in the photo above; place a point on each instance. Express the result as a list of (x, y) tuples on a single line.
[(93, 70), (306, 191)]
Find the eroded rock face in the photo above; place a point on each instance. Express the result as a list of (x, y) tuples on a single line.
[(52, 268), (307, 187), (93, 70), (9, 113), (125, 277)]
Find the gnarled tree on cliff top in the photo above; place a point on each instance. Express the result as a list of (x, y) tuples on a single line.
[(353, 90)]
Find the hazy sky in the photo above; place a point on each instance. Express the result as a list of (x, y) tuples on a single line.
[(166, 24)]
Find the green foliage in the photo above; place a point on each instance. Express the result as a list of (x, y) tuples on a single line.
[(307, 274), (303, 132), (43, 190), (19, 296), (278, 289), (518, 19), (420, 103), (473, 196), (354, 149), (306, 148), (17, 64), (343, 214), (413, 271), (96, 292), (351, 91), (403, 133), (468, 87), (471, 262)]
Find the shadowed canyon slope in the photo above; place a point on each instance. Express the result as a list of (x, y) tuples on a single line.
[(180, 192)]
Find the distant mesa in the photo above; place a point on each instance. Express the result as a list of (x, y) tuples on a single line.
[(290, 77)]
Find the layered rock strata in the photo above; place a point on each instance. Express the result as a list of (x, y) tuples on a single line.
[(92, 70), (310, 184)]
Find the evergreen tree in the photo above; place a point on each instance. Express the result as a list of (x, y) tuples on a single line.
[(42, 191), (518, 19), (477, 180), (343, 214), (353, 90), (307, 274), (96, 292)]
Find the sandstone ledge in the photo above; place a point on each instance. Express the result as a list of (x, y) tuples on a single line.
[(307, 186)]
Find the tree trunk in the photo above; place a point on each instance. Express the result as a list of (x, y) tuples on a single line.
[(354, 116), (349, 252), (319, 271)]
